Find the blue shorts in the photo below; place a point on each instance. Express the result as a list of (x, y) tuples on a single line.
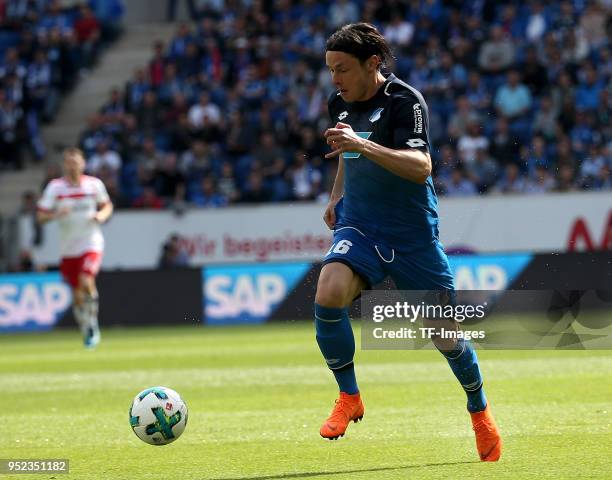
[(426, 268)]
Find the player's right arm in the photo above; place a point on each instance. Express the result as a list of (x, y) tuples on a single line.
[(336, 194), (47, 206)]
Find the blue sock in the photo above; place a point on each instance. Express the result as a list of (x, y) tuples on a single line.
[(337, 344), (464, 364)]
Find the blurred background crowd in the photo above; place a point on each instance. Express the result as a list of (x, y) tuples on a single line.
[(232, 109), (45, 47)]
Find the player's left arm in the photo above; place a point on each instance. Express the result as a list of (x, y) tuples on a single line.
[(409, 129), (105, 206)]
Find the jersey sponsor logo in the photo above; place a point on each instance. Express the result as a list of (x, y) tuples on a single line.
[(343, 115), (365, 135), (376, 115), (418, 118), (416, 143)]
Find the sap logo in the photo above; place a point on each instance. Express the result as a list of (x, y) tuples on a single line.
[(484, 277), (28, 305), (243, 295), (487, 272)]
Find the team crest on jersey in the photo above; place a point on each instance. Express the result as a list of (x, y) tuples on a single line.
[(365, 135), (343, 115), (376, 115)]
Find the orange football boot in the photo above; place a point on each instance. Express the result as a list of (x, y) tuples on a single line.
[(488, 439), (347, 408)]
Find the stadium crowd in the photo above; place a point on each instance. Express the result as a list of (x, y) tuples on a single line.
[(45, 47), (232, 109)]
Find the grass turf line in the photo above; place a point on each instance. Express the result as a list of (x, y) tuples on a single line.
[(257, 395)]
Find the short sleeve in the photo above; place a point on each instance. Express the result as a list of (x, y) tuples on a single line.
[(102, 197), (48, 200), (410, 124)]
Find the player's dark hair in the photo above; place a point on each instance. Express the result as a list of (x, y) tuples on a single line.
[(362, 40)]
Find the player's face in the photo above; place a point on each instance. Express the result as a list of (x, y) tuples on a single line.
[(351, 77), (74, 165)]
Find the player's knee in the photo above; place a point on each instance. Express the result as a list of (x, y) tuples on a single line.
[(87, 283), (331, 295)]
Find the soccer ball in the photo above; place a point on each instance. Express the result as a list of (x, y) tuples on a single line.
[(158, 415)]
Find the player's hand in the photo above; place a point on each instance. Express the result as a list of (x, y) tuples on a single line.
[(62, 212), (342, 139), (329, 217)]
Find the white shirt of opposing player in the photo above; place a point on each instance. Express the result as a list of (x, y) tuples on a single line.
[(79, 232)]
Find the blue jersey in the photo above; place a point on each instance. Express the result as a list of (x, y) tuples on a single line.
[(392, 210)]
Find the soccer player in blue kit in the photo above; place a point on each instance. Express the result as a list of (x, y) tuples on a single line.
[(383, 211)]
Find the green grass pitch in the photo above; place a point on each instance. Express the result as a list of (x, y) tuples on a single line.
[(257, 395)]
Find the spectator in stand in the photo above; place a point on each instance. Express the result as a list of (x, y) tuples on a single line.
[(227, 185), (88, 33), (497, 54), (545, 121), (464, 116), (197, 163), (472, 141), (541, 181), (304, 178), (591, 167), (29, 208), (399, 31), (157, 65), (167, 178), (173, 255), (149, 114), (458, 185), (109, 13), (589, 89), (537, 157), (535, 75), (566, 180), (136, 89), (149, 157), (483, 171), (208, 196), (512, 181), (205, 112), (537, 22), (104, 157), (513, 99), (10, 123), (255, 191), (478, 96), (148, 200)]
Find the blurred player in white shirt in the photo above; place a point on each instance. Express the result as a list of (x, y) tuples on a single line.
[(79, 203)]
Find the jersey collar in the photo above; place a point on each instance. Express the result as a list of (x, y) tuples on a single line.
[(380, 93)]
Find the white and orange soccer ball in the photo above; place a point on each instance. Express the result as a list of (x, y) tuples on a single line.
[(158, 415)]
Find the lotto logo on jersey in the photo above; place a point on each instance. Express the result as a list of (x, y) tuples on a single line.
[(365, 135)]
